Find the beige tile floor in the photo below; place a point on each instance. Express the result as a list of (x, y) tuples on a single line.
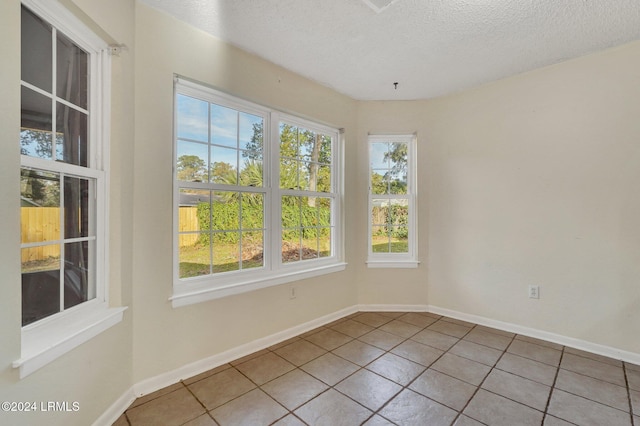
[(401, 368)]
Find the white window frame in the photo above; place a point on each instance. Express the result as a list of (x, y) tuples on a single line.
[(396, 260), (192, 290), (49, 338)]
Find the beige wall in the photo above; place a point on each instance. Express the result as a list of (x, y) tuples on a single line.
[(97, 372), (164, 47), (529, 180), (534, 180)]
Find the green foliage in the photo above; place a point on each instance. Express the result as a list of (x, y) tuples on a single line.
[(395, 219), (313, 221), (191, 168)]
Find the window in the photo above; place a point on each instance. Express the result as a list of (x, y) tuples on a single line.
[(256, 196), (63, 184), (392, 193)]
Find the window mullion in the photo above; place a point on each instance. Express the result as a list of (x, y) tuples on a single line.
[(62, 238), (275, 255), (54, 78)]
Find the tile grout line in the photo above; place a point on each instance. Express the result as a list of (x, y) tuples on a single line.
[(553, 386), (460, 413), (626, 381)]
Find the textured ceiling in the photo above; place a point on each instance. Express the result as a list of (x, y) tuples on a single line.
[(430, 47)]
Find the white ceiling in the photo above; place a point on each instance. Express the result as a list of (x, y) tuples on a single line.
[(430, 47)]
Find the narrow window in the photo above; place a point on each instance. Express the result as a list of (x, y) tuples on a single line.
[(58, 179), (392, 189)]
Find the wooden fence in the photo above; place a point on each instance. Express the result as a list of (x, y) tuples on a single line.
[(39, 224), (188, 221)]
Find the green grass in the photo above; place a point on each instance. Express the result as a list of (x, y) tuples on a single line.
[(194, 260), (381, 244)]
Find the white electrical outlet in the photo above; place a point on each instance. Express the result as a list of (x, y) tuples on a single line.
[(534, 292)]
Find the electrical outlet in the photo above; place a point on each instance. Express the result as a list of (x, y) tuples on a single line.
[(292, 292), (534, 292)]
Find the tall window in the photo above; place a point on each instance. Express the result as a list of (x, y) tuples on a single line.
[(62, 176), (392, 189), (306, 193), (256, 200)]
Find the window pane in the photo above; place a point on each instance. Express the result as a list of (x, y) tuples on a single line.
[(73, 146), (191, 164), (79, 282), (40, 282), (324, 241), (379, 182), (398, 184), (307, 148), (224, 126), (193, 211), (252, 249), (309, 248), (36, 124), (303, 175), (324, 211), (250, 132), (290, 212), (76, 207), (72, 72), (288, 174), (40, 206), (290, 246), (226, 211), (309, 212), (379, 211), (194, 255), (399, 239), (192, 118), (378, 155), (252, 210), (226, 254), (398, 153), (324, 179), (379, 239), (222, 172), (398, 212), (224, 165), (288, 141), (36, 53), (325, 149), (251, 172)]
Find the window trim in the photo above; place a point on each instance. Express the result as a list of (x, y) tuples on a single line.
[(208, 287), (395, 260), (49, 338)]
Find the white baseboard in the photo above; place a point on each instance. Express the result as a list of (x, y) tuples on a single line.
[(392, 308), (116, 409), (584, 345), (166, 379), (158, 382)]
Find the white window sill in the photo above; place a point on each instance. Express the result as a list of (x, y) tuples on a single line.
[(44, 343), (392, 264), (187, 294)]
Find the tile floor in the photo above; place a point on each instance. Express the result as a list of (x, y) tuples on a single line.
[(402, 369)]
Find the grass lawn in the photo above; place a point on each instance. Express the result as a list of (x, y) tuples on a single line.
[(195, 259), (381, 244)]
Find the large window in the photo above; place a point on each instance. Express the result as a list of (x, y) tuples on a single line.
[(256, 196), (62, 183), (392, 189)]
